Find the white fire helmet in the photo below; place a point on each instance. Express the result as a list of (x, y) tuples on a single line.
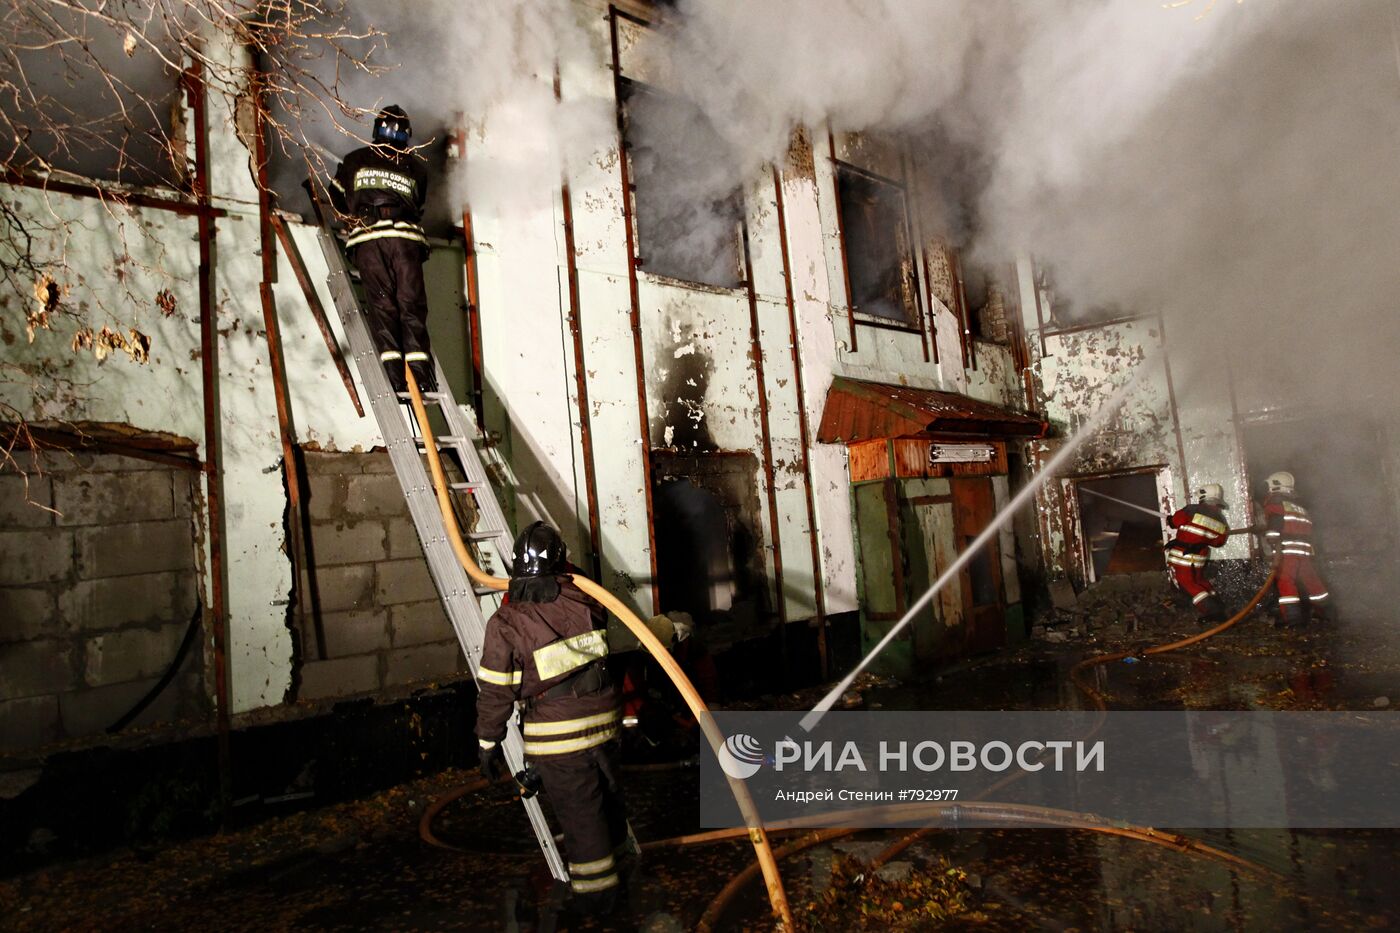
[(1212, 493), (1282, 481)]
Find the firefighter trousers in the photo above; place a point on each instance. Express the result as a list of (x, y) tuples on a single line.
[(583, 790), (1299, 583), (1189, 571), (391, 270)]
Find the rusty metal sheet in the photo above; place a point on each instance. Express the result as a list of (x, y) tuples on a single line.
[(857, 410)]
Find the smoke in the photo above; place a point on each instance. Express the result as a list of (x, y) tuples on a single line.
[(1232, 166)]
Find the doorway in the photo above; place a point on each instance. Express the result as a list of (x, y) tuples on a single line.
[(1116, 532), (709, 556), (974, 507)]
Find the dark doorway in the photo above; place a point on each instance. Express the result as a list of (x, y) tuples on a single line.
[(1118, 538), (709, 559)]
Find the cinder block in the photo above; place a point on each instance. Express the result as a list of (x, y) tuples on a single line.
[(403, 539), (24, 501), (87, 712), (136, 547), (420, 623), (187, 490), (35, 668), (28, 613), (326, 497), (28, 723), (358, 632), (130, 655), (331, 462), (403, 581), (348, 542), (339, 677), (376, 461), (377, 495), (118, 602), (349, 586), (35, 556), (105, 498), (442, 661), (116, 463)]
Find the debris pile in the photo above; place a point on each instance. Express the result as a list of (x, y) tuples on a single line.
[(1121, 604)]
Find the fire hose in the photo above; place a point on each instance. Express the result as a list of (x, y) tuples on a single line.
[(777, 897), (1030, 814)]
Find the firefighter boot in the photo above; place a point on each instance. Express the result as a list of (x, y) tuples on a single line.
[(1211, 610), (423, 374), (1292, 616), (394, 370)]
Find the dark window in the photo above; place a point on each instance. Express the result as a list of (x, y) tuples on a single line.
[(687, 206), (89, 107), (879, 257)]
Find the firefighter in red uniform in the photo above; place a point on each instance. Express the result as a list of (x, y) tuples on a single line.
[(1288, 530), (1199, 527), (383, 188), (547, 650)]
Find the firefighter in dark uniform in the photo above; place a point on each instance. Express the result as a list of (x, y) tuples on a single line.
[(1199, 527), (1289, 531), (383, 187), (547, 649)]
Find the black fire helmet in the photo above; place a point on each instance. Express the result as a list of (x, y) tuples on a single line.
[(393, 127), (539, 551)]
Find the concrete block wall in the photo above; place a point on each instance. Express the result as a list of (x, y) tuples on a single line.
[(98, 582), (383, 625)]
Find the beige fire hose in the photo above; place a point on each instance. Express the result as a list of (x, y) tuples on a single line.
[(757, 835)]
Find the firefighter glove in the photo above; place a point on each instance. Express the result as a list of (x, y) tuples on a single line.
[(493, 763)]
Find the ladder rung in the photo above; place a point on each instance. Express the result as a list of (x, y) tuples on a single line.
[(466, 487), (480, 590), (485, 534), (443, 440), (436, 397)]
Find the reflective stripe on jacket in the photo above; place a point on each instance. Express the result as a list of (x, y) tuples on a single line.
[(1289, 528), (531, 648), (1200, 525)]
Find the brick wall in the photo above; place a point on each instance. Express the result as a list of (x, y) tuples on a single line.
[(382, 623), (97, 586)]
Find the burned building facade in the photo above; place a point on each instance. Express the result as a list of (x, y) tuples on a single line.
[(785, 413)]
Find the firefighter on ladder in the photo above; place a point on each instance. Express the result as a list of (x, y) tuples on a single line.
[(1199, 526), (547, 649), (383, 187), (1288, 529)]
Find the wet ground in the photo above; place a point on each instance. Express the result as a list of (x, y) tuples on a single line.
[(363, 866)]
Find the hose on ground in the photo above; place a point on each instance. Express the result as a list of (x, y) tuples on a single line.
[(1077, 676), (757, 835), (1077, 672)]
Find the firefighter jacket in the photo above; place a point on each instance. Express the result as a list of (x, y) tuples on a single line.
[(552, 658), (1287, 526), (1199, 527), (384, 192)]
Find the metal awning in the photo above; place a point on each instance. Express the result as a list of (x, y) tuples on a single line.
[(856, 410)]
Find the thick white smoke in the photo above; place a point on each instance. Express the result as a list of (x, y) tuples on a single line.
[(1230, 164)]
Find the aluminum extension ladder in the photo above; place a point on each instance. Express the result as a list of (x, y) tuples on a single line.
[(467, 605)]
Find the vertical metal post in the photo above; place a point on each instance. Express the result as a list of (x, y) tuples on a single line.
[(804, 435), (297, 528), (213, 454), (766, 439), (635, 315)]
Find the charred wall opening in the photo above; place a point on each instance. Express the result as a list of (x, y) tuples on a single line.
[(709, 544), (1119, 539)]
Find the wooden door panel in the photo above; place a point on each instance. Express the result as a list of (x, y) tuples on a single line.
[(974, 507)]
